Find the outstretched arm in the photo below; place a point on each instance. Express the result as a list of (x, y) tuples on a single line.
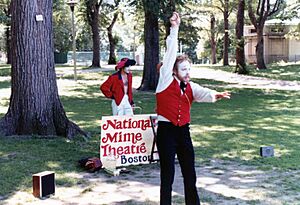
[(202, 94), (165, 75)]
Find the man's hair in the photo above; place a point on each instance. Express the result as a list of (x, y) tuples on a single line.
[(180, 59)]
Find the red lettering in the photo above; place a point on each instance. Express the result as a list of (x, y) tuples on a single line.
[(107, 150), (109, 122), (138, 137), (110, 138), (119, 150)]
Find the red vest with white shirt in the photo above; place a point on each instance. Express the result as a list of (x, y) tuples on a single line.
[(175, 105)]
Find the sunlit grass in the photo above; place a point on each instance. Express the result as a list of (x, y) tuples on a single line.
[(236, 129)]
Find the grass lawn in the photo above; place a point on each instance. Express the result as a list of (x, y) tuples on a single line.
[(230, 130)]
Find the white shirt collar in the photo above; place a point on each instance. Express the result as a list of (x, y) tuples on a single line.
[(177, 79)]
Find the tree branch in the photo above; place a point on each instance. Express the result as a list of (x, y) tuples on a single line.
[(109, 28), (276, 7), (251, 14)]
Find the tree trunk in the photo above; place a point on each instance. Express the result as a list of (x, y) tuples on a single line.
[(8, 43), (226, 35), (239, 32), (112, 44), (151, 40), (96, 37), (260, 59), (264, 10), (213, 43), (92, 12), (7, 12), (35, 107)]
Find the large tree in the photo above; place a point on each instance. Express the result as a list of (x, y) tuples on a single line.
[(35, 107), (264, 9), (151, 41), (212, 41), (112, 40), (210, 11), (240, 44), (110, 16), (92, 16), (225, 7), (226, 13)]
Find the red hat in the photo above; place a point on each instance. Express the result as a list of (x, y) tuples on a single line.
[(125, 62)]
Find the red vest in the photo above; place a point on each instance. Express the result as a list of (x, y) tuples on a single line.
[(173, 105)]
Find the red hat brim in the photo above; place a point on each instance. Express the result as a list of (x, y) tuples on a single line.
[(125, 62)]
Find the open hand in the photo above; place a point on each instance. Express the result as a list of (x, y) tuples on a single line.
[(175, 19), (222, 95)]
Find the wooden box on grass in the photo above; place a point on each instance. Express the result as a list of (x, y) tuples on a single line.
[(43, 184), (267, 151)]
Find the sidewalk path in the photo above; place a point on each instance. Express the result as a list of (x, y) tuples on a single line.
[(235, 80), (244, 80)]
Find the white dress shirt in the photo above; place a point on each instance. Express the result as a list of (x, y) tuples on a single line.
[(200, 94)]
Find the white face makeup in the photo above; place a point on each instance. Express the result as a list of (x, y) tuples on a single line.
[(127, 69), (184, 71)]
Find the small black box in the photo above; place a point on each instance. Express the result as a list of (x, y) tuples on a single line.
[(267, 151), (43, 184)]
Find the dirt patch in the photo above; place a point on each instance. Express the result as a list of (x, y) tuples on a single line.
[(220, 182)]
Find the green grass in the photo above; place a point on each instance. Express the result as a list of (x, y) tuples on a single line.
[(279, 72), (4, 70), (273, 71), (20, 157), (228, 130), (235, 129)]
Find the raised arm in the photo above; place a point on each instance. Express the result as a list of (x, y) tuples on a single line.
[(165, 72)]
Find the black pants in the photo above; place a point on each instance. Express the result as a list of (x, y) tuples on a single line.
[(173, 140)]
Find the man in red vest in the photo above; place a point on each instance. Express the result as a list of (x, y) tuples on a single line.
[(174, 96), (118, 87)]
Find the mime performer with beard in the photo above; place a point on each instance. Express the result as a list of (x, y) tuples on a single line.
[(174, 97)]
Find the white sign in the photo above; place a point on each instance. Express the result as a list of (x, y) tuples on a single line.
[(39, 18), (126, 140)]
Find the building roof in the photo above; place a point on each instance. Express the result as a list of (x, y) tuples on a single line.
[(294, 21)]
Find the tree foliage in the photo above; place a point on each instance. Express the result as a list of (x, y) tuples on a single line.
[(5, 14), (112, 12), (5, 18), (62, 26), (91, 9)]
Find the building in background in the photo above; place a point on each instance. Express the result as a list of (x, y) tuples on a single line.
[(278, 46)]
